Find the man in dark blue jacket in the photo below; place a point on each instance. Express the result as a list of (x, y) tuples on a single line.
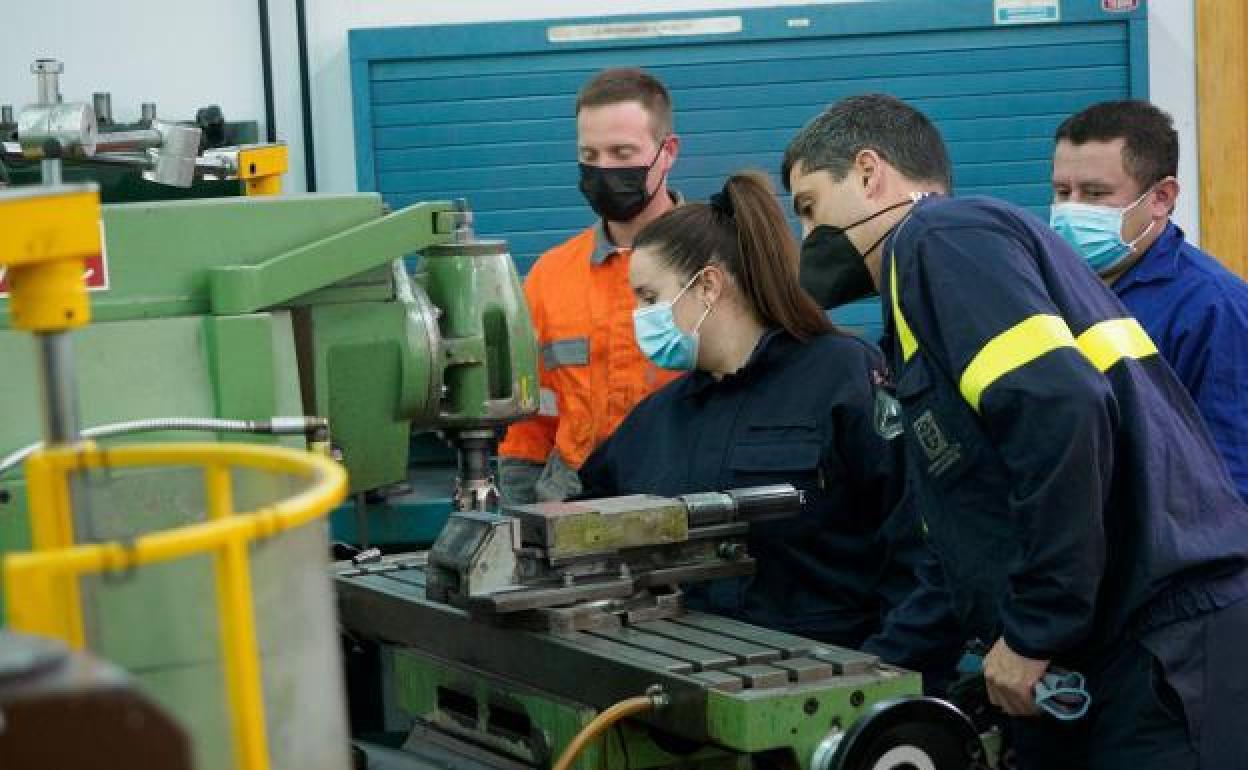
[(1066, 479), (1114, 187)]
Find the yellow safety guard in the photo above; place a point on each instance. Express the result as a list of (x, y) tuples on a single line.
[(40, 587)]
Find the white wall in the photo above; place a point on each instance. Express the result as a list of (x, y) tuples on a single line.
[(1172, 86), (184, 54)]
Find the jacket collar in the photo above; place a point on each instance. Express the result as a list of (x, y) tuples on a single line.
[(603, 247), (1159, 263), (770, 346)]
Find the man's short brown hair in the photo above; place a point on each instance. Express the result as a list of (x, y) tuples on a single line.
[(629, 84)]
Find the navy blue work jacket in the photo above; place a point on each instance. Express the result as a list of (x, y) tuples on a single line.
[(1068, 483), (799, 413), (1197, 312)]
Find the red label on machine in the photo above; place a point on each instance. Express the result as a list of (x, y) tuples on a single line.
[(96, 272), (1119, 6)]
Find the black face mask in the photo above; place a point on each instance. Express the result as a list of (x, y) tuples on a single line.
[(832, 269), (617, 194)]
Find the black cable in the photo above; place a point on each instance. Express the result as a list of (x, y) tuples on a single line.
[(305, 91), (266, 66)]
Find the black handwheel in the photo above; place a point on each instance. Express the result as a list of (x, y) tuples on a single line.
[(907, 734)]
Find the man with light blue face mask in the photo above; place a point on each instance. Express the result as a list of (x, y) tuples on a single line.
[(1114, 187)]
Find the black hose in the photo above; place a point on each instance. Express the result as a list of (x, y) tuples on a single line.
[(305, 93), (266, 67)]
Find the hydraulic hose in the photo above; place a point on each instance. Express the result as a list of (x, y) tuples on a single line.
[(275, 426), (654, 699)]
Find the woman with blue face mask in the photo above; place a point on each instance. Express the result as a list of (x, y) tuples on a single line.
[(773, 394)]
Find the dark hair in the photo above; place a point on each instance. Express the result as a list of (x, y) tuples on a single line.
[(629, 84), (745, 233), (1150, 150), (899, 133)]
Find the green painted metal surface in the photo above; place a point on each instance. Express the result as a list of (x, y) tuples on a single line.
[(364, 364), (159, 254), (527, 724), (491, 351), (240, 359), (788, 721), (800, 717), (128, 370), (247, 287)]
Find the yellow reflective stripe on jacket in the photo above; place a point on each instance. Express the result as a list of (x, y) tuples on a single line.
[(1103, 344), (908, 343), (1013, 349), (1108, 342)]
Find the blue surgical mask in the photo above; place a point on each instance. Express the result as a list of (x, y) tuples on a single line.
[(662, 340), (1096, 232)]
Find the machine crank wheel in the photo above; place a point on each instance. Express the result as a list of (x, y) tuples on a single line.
[(912, 747), (907, 734)]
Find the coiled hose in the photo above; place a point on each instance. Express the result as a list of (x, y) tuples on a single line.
[(274, 426)]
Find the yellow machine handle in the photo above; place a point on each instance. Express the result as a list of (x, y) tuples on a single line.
[(46, 236), (261, 167)]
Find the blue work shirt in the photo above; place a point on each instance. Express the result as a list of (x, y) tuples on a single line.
[(1068, 483), (798, 413), (1197, 312)]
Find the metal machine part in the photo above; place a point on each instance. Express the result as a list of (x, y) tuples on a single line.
[(299, 305), (57, 130), (167, 153), (8, 123), (735, 690), (48, 694), (586, 563), (474, 485), (905, 734), (102, 103), (56, 370), (47, 74), (174, 163), (489, 371)]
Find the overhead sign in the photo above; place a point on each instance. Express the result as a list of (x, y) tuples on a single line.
[(1026, 11), (640, 30)]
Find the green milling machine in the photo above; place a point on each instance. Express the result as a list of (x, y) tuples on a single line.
[(535, 637)]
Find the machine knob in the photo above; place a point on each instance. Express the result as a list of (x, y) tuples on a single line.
[(776, 501)]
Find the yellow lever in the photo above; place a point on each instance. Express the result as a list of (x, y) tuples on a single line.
[(46, 236)]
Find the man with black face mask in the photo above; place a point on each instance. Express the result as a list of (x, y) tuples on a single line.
[(1084, 522), (591, 370)]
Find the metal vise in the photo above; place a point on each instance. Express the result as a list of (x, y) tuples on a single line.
[(598, 552)]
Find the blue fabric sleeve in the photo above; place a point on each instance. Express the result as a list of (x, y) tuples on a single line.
[(920, 631), (1051, 420), (1212, 362), (597, 473)]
